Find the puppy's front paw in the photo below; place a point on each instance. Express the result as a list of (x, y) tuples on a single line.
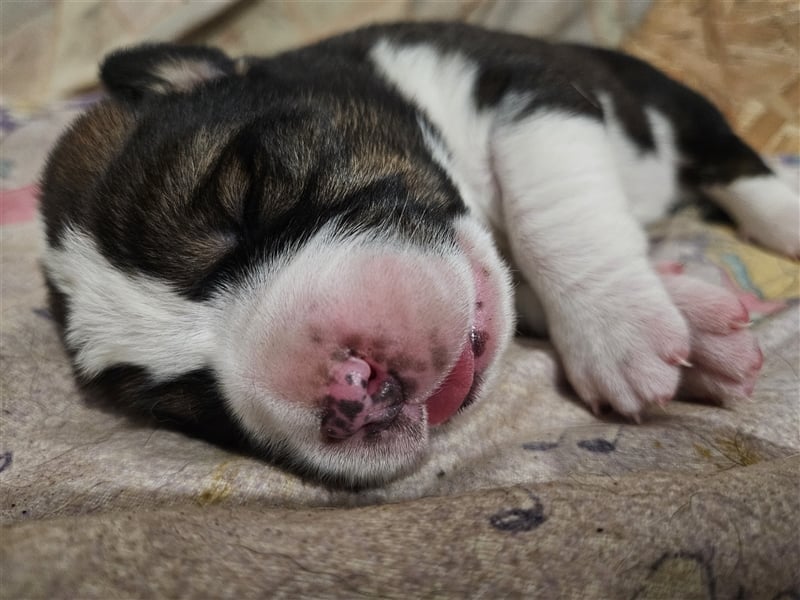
[(725, 355), (626, 349)]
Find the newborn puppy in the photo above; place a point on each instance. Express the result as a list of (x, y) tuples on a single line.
[(300, 253)]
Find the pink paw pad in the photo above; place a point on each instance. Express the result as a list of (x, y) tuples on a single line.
[(725, 357)]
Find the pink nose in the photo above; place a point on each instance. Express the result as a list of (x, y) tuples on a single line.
[(360, 397)]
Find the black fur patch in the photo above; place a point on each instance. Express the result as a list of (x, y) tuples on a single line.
[(712, 152), (191, 403), (288, 150), (133, 73)]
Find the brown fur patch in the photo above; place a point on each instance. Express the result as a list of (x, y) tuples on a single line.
[(80, 158)]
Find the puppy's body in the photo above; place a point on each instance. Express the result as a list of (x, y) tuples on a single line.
[(295, 252)]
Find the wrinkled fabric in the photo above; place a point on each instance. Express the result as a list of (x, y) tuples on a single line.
[(51, 49)]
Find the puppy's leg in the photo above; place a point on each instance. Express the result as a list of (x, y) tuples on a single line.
[(714, 159), (765, 208), (575, 241), (718, 162)]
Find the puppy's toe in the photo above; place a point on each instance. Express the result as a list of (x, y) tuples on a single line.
[(725, 355), (628, 354)]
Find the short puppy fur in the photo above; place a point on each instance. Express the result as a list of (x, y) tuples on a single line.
[(310, 254)]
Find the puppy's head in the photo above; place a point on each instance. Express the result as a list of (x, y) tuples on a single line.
[(283, 238)]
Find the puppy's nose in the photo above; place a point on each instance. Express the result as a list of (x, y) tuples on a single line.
[(360, 398)]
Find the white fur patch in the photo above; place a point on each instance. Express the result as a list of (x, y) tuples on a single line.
[(116, 318), (563, 197), (576, 242), (442, 86), (183, 74), (648, 177), (765, 208)]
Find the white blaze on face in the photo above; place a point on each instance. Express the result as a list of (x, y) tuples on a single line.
[(442, 85)]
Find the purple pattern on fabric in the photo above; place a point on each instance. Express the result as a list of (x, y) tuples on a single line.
[(7, 122), (85, 100)]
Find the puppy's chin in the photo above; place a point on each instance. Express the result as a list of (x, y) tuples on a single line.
[(358, 462), (344, 356)]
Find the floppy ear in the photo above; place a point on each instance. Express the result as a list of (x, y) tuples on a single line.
[(134, 73)]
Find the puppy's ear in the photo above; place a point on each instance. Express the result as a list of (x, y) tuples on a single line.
[(134, 73)]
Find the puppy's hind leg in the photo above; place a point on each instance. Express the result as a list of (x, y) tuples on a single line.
[(718, 162), (765, 208), (577, 244)]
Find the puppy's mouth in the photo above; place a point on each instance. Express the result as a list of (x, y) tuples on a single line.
[(452, 394), (462, 383)]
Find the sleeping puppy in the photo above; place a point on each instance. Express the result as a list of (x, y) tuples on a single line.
[(302, 254)]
